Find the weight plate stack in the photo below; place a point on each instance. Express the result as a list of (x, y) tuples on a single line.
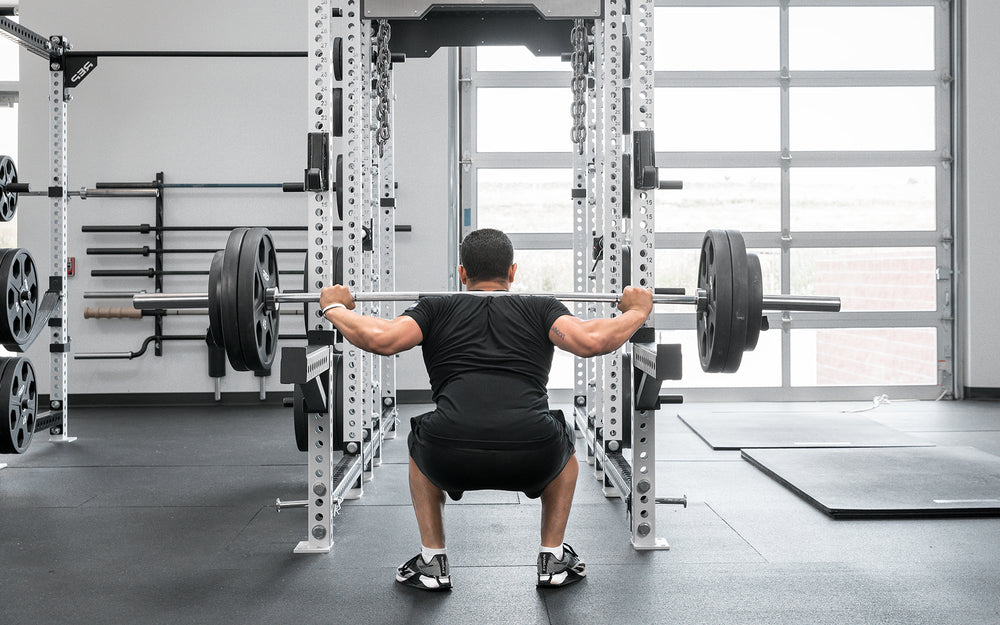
[(258, 272), (741, 305), (17, 384), (20, 307), (8, 199), (230, 297), (755, 317), (215, 298), (714, 322)]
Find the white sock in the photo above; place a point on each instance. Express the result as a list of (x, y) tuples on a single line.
[(427, 554), (557, 552)]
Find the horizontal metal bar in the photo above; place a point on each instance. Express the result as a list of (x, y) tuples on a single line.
[(725, 79), (189, 185), (146, 251), (819, 320), (770, 302), (812, 158), (83, 194), (239, 54), (794, 3)]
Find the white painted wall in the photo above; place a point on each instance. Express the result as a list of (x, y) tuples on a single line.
[(982, 141), (203, 120)]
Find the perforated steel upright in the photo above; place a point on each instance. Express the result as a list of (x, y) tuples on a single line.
[(642, 234), (582, 194), (385, 246), (364, 378), (321, 212), (58, 224), (595, 229), (357, 40), (609, 200)]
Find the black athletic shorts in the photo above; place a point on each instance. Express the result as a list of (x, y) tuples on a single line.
[(457, 466)]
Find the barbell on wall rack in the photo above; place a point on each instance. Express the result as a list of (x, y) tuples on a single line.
[(145, 250), (152, 273), (158, 337), (244, 298), (146, 228), (123, 312)]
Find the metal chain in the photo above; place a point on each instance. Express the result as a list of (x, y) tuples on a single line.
[(580, 62), (382, 67)]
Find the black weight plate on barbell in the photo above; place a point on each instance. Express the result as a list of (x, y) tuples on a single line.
[(230, 298), (17, 383), (715, 277), (339, 174), (755, 320), (258, 272), (741, 307), (8, 199), (19, 281), (300, 419), (215, 319)]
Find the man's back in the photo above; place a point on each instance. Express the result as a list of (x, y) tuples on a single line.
[(488, 359)]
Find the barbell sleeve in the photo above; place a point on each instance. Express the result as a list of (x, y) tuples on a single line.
[(801, 303)]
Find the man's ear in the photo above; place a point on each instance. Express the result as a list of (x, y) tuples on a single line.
[(462, 275), (511, 272)]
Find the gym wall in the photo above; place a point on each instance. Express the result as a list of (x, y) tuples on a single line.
[(982, 193), (204, 120)]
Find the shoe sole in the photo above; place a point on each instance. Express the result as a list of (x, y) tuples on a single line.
[(443, 584), (562, 582)]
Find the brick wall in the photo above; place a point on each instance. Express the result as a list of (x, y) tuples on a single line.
[(869, 280)]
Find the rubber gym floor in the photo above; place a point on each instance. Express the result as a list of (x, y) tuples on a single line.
[(165, 515)]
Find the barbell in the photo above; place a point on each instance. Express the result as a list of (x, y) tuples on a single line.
[(244, 297)]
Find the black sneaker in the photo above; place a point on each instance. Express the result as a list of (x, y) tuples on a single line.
[(431, 575), (552, 572)]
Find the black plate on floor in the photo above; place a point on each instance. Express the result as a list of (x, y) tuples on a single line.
[(888, 482), (742, 430)]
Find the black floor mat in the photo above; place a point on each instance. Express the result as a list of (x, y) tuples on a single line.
[(888, 482), (742, 430)]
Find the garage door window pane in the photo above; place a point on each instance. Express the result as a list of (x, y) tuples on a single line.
[(543, 271), (523, 120), (744, 199), (759, 368), (709, 39), (864, 357), (516, 59), (679, 268), (891, 278), (725, 119), (862, 118), (875, 198), (525, 200), (861, 38)]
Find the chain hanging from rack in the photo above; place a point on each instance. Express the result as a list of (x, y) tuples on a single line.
[(382, 67), (579, 61)]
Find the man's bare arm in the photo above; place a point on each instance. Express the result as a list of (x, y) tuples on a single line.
[(372, 334), (601, 336)]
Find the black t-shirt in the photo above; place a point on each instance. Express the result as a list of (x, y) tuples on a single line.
[(488, 359)]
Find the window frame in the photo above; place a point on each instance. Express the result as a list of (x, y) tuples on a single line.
[(783, 240)]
